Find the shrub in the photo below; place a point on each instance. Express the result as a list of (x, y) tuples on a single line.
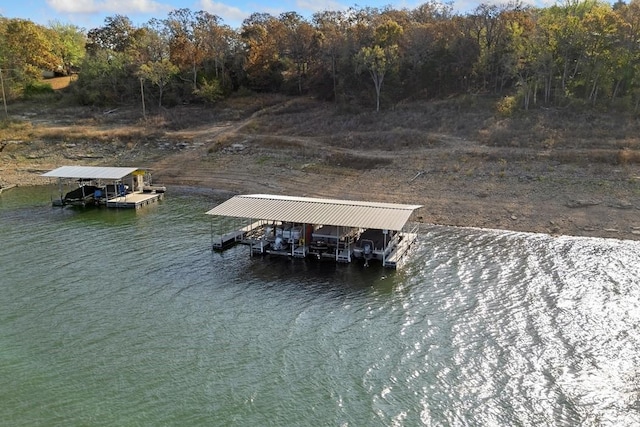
[(210, 90), (36, 89), (507, 106)]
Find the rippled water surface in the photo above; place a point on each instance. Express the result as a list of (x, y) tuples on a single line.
[(115, 317)]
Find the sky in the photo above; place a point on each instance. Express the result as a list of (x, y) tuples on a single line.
[(90, 14)]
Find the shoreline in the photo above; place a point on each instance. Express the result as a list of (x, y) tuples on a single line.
[(587, 218)]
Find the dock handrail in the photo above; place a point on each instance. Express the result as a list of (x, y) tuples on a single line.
[(393, 242)]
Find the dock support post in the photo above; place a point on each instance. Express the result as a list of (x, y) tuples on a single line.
[(384, 247), (61, 192), (211, 233)]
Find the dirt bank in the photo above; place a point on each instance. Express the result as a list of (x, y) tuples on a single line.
[(460, 180)]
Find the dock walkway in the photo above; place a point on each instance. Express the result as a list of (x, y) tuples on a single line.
[(400, 249), (134, 200), (222, 241)]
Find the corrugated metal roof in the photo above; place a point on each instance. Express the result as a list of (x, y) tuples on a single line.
[(347, 213), (90, 172)]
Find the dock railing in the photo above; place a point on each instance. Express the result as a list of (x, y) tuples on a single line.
[(397, 250)]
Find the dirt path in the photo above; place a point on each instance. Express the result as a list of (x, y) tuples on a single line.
[(452, 182)]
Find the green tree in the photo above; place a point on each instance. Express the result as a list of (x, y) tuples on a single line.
[(104, 79), (159, 73), (117, 35), (114, 53), (71, 45), (377, 61), (628, 82), (382, 56)]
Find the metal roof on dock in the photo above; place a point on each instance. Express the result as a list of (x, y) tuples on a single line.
[(306, 210), (90, 172)]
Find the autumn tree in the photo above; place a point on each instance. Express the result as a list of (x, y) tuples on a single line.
[(186, 43), (263, 65), (602, 49), (153, 43), (428, 43), (331, 33), (299, 46), (628, 82), (519, 59), (216, 41), (27, 50)]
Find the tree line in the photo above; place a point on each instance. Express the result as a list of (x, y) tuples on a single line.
[(585, 52)]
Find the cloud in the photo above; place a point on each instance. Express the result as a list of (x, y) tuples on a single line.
[(226, 12), (320, 5), (107, 6)]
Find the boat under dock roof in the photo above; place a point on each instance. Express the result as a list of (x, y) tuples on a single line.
[(306, 210), (104, 186)]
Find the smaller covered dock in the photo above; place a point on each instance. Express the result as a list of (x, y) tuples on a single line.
[(342, 230), (113, 187)]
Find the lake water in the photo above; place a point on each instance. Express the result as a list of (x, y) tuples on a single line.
[(116, 317)]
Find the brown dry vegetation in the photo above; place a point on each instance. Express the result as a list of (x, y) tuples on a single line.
[(553, 171)]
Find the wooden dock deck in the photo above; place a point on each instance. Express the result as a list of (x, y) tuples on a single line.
[(222, 241), (134, 200)]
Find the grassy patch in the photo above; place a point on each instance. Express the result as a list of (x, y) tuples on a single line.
[(39, 88), (15, 130), (583, 157), (277, 143), (357, 162), (80, 133), (627, 157)]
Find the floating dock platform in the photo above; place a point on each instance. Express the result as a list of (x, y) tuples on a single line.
[(113, 187), (134, 200), (300, 227)]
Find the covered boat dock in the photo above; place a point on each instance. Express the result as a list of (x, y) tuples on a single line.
[(113, 187), (342, 230)]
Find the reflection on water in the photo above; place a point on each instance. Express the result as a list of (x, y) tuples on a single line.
[(123, 318)]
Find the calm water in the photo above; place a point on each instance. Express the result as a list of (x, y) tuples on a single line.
[(121, 318)]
